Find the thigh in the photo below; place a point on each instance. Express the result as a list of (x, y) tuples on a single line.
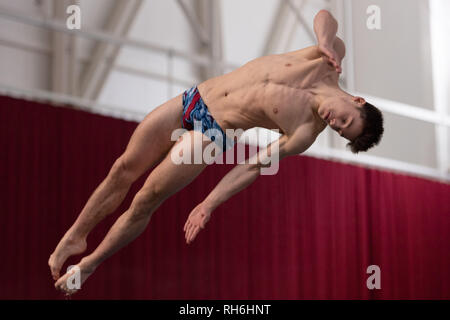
[(169, 176), (151, 140)]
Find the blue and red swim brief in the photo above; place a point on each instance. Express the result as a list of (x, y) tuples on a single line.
[(197, 117)]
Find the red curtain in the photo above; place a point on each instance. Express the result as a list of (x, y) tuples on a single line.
[(309, 232)]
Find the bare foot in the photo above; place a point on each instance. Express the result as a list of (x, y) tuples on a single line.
[(68, 246), (72, 281)]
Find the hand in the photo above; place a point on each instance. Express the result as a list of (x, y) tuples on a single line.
[(196, 221), (331, 55)]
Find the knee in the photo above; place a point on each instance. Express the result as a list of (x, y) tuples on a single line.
[(146, 201), (122, 172)]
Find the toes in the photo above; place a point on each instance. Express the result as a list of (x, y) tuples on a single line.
[(55, 272), (55, 275), (59, 285)]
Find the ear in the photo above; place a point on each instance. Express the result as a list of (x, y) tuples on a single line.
[(359, 100)]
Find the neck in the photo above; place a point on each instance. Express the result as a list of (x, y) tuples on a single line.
[(327, 91)]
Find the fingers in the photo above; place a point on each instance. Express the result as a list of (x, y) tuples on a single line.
[(188, 221), (192, 214), (337, 66), (193, 226), (192, 234), (332, 59), (188, 229), (332, 62), (188, 233)]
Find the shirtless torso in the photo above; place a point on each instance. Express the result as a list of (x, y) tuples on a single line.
[(273, 92)]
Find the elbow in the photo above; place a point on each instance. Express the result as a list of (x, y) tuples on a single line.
[(323, 13)]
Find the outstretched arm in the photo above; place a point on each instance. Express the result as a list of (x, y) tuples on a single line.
[(241, 177), (325, 28)]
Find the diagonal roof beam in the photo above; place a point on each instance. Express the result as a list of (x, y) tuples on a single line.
[(209, 17), (301, 20), (193, 21), (60, 59), (277, 28), (93, 34), (99, 68), (215, 32)]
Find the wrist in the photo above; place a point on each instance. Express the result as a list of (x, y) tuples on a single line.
[(326, 43), (209, 205)]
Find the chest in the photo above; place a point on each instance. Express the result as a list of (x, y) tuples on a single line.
[(290, 108)]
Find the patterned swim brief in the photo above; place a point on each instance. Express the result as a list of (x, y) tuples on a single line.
[(197, 117)]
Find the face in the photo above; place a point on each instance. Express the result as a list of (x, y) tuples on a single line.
[(343, 115)]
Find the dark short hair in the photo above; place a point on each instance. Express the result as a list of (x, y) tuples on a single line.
[(373, 129)]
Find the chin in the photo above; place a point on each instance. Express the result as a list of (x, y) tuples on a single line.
[(322, 111)]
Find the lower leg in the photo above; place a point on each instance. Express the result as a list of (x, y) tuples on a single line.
[(105, 199), (126, 228)]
